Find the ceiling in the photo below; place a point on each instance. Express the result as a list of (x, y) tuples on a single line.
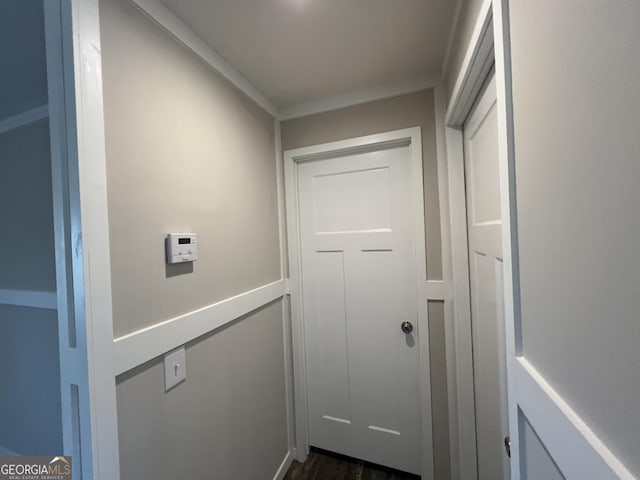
[(300, 51)]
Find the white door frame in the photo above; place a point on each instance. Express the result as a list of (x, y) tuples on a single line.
[(486, 48), (572, 445), (478, 61), (407, 137), (82, 238)]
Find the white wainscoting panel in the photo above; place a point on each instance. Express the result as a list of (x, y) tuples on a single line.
[(143, 345), (575, 448)]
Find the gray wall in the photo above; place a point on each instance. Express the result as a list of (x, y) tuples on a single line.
[(576, 73), (186, 151), (405, 111), (411, 110), (464, 28), (227, 421)]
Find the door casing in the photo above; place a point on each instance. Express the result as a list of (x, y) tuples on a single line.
[(407, 137), (88, 400), (486, 49), (576, 450)]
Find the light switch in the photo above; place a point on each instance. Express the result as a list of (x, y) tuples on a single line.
[(175, 368)]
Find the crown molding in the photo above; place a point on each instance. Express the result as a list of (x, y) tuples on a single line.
[(359, 96), (170, 22), (453, 30)]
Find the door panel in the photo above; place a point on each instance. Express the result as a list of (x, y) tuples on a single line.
[(485, 267), (351, 201), (358, 281), (333, 351)]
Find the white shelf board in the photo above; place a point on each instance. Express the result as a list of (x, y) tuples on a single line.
[(24, 118), (29, 298)]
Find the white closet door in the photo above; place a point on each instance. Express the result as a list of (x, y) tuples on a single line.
[(358, 276), (486, 285)]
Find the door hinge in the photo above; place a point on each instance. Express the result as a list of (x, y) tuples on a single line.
[(507, 445)]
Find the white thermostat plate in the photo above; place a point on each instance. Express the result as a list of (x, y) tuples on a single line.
[(181, 247)]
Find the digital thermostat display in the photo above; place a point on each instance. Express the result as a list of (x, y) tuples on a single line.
[(181, 247)]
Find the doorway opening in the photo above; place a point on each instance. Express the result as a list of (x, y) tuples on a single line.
[(355, 215)]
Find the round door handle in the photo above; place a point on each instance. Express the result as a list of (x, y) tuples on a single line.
[(407, 327)]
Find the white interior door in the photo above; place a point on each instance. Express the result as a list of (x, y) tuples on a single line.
[(486, 285), (358, 267)]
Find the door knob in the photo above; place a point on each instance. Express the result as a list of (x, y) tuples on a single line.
[(407, 327), (507, 446)]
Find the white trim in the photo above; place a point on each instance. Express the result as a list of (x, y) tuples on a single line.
[(410, 136), (504, 109), (358, 97), (23, 119), (59, 83), (172, 24), (440, 99), (288, 373), (29, 298), (5, 452), (461, 304), (143, 345), (419, 233), (576, 449), (477, 63), (436, 290), (286, 320), (282, 229), (284, 466), (297, 327), (164, 17), (348, 147), (177, 28), (90, 230)]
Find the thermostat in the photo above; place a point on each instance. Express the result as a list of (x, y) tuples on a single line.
[(181, 247)]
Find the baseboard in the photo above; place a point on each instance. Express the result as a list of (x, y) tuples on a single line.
[(284, 467), (5, 452)]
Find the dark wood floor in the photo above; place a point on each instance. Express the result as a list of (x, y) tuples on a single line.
[(322, 465)]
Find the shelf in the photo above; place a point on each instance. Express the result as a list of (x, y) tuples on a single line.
[(29, 298), (24, 118)]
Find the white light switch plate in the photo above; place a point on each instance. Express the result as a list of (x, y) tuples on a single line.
[(175, 368)]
